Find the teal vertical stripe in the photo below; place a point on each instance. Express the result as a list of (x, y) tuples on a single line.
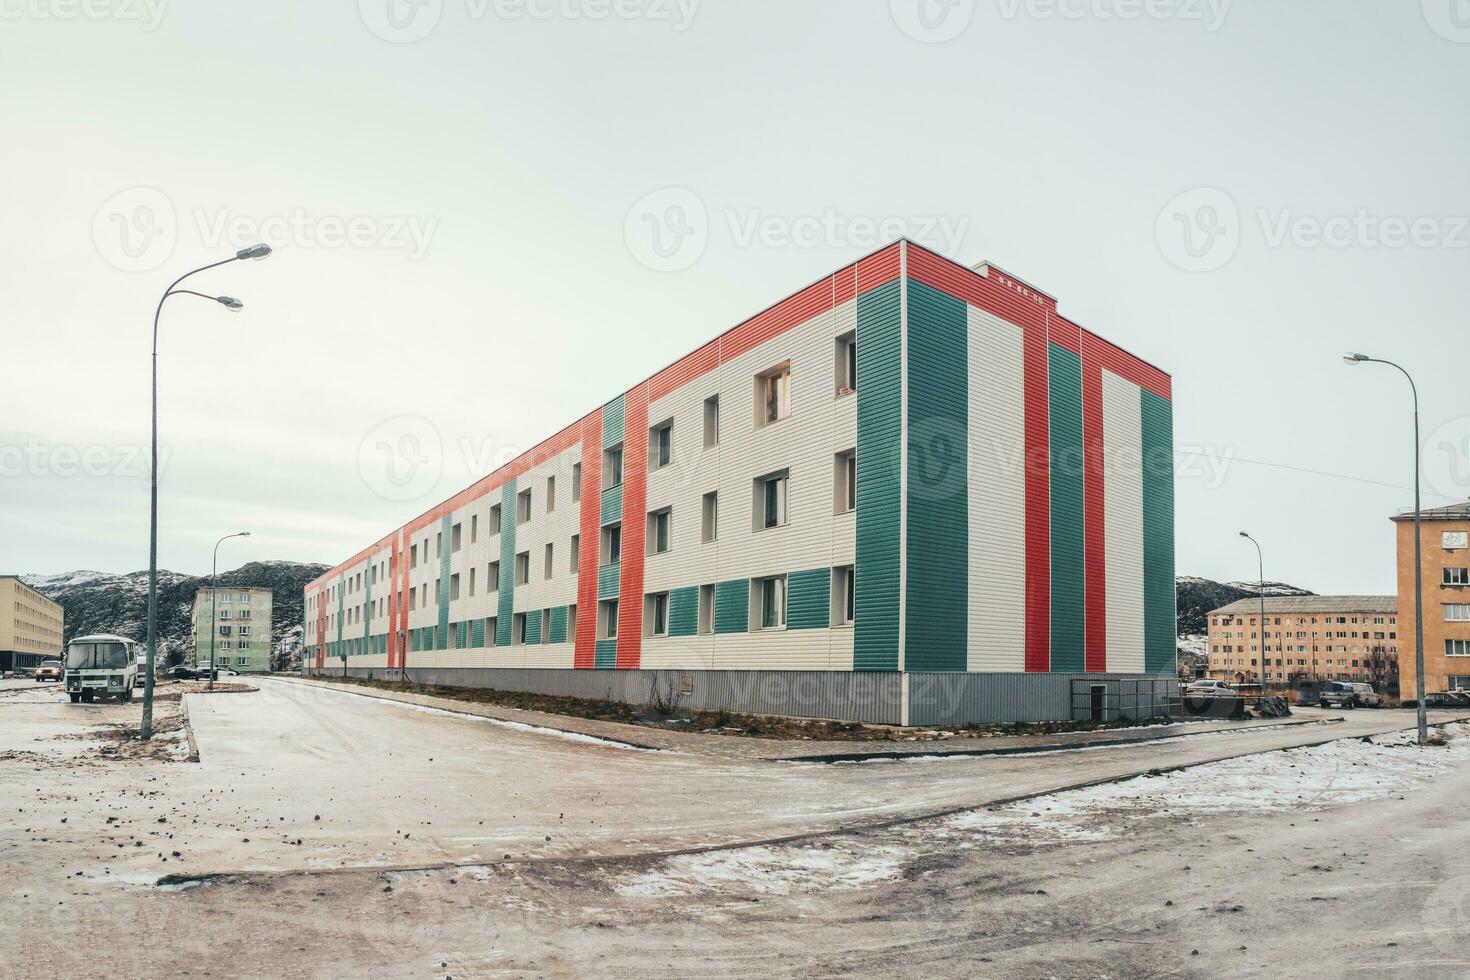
[(367, 613), (477, 632), (341, 609), (732, 606), (507, 563), (1068, 581), (605, 655), (809, 599), (558, 629), (879, 462), (608, 577), (937, 563), (533, 626), (612, 505), (444, 546), (684, 611), (1160, 650), (612, 424)]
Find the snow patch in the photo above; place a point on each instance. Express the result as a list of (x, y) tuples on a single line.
[(777, 870)]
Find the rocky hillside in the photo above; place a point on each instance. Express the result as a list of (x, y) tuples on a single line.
[(100, 602), (1197, 597)]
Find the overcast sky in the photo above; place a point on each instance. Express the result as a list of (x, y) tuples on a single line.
[(490, 217)]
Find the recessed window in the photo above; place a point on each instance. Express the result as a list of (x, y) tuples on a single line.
[(474, 528), (661, 445), (706, 609), (576, 550), (607, 619), (576, 482), (549, 562), (709, 529), (770, 603), (453, 587), (550, 494), (844, 482), (490, 639), (612, 466), (770, 499), (523, 568), (612, 544), (495, 519), (517, 628), (438, 544), (1457, 612), (546, 626), (413, 556), (845, 363), (492, 577), (571, 623), (1457, 648), (1453, 540), (523, 507), (711, 421), (659, 538), (656, 614), (773, 394), (1456, 576), (472, 581), (436, 592), (456, 538), (844, 583)]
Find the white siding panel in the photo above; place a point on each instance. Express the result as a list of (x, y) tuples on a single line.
[(1123, 509), (997, 495)]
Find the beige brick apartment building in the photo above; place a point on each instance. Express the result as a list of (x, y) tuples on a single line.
[(30, 626), (1307, 638), (1446, 550)]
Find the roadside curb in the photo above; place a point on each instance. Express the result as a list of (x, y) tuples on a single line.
[(188, 728)]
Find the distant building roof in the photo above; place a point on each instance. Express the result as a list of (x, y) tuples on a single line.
[(1294, 604), (1451, 512)]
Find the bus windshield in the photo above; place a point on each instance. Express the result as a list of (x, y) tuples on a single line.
[(106, 655)]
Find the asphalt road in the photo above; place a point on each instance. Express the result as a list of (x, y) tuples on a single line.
[(303, 797)]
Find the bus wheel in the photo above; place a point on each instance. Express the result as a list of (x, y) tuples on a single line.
[(75, 698)]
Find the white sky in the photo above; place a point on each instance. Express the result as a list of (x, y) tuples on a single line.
[(496, 167)]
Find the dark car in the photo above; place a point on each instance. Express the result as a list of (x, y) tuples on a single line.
[(181, 673), (49, 670)]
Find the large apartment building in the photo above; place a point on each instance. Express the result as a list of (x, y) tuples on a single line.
[(240, 619), (1307, 639), (31, 626), (912, 492), (1446, 550)]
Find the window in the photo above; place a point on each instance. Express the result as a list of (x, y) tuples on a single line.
[(413, 599), (612, 544), (710, 518), (523, 568), (660, 445), (546, 626), (472, 583), (612, 466), (1455, 539), (490, 639), (455, 538), (438, 544), (576, 550), (474, 528), (846, 363), (576, 482), (706, 609), (517, 629), (495, 519), (492, 577), (1456, 576), (711, 421), (454, 587), (245, 630), (523, 507), (436, 591), (413, 556), (550, 494), (770, 500), (571, 623), (844, 590), (549, 563), (658, 531), (1457, 612), (607, 619), (1457, 648), (656, 614), (844, 492), (771, 607), (773, 394)]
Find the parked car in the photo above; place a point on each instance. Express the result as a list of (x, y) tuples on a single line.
[(223, 671), (1339, 694), (49, 670), (182, 672), (1207, 687), (1367, 697)]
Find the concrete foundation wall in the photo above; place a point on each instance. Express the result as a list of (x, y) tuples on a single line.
[(876, 698)]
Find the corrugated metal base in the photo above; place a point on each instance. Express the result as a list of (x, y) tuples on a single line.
[(875, 698)]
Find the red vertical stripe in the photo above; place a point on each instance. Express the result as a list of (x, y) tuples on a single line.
[(1038, 495), (1094, 533), (585, 651), (635, 500)]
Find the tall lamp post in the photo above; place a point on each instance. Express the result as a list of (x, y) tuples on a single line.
[(1261, 591), (230, 303), (214, 599), (1355, 359)]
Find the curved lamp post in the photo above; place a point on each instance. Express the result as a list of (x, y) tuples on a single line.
[(214, 599), (1261, 593), (230, 303), (1353, 360)]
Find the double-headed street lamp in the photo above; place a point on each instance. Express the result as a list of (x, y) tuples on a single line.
[(1261, 588), (213, 599), (230, 303), (1355, 359)]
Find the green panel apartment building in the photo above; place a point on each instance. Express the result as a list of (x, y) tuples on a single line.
[(240, 621)]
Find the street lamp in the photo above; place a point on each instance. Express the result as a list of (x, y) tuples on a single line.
[(213, 600), (1352, 360), (1261, 589), (230, 303)]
